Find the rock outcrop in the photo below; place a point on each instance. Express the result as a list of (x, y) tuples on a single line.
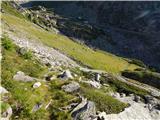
[(71, 87), (136, 111), (86, 110), (20, 76)]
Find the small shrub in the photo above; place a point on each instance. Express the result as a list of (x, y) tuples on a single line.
[(7, 43), (27, 55)]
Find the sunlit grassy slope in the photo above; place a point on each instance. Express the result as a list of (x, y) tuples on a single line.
[(81, 53)]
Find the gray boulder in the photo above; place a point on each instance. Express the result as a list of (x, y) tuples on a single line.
[(23, 50), (20, 76), (71, 87), (86, 110), (137, 98)]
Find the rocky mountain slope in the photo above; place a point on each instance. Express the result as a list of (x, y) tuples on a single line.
[(47, 75), (128, 29)]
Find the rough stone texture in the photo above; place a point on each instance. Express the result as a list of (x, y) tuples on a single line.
[(84, 111), (20, 76), (3, 90), (89, 113), (71, 87)]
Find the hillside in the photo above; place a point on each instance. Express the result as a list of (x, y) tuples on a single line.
[(128, 29), (48, 74)]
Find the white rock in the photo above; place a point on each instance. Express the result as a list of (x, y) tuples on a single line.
[(3, 90), (66, 75), (116, 95), (94, 84), (36, 85)]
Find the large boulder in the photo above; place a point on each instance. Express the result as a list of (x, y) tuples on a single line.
[(71, 87), (86, 110), (3, 90), (20, 76)]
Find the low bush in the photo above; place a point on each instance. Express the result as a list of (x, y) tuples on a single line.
[(27, 55), (7, 43)]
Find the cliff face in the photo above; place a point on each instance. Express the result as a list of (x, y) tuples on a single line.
[(128, 29)]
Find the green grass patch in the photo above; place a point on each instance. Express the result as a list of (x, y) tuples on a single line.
[(23, 96), (103, 101), (6, 43), (13, 62), (60, 99), (122, 87), (144, 76), (3, 106)]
